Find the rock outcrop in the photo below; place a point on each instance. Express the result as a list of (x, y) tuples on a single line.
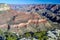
[(4, 7)]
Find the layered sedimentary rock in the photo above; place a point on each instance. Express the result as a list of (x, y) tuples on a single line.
[(27, 18), (32, 25)]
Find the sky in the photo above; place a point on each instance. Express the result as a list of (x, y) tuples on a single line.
[(30, 1)]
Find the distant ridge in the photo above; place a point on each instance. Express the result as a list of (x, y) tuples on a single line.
[(4, 7)]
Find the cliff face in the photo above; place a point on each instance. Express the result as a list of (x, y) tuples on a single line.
[(25, 18), (15, 17), (32, 25), (22, 21)]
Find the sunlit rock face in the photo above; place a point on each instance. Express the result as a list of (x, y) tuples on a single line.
[(16, 17), (32, 25), (4, 7), (25, 18)]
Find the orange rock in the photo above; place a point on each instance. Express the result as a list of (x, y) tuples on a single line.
[(42, 21), (22, 25)]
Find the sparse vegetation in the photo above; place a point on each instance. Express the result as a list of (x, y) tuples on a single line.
[(11, 36)]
